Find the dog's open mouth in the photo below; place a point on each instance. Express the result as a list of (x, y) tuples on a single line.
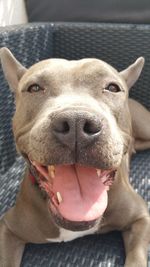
[(77, 193)]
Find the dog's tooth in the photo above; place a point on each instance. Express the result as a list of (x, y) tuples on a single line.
[(51, 170), (52, 167), (59, 197), (98, 172), (52, 174)]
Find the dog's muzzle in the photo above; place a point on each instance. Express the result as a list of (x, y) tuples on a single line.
[(75, 177)]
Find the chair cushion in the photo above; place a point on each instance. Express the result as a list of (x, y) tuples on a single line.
[(135, 11)]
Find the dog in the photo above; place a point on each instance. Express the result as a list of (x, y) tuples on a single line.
[(73, 126)]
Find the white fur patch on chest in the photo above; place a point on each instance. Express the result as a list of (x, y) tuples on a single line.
[(67, 235)]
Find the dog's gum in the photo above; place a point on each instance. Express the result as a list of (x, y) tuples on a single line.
[(104, 178), (41, 169)]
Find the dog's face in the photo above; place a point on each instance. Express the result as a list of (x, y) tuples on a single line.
[(73, 124), (71, 112)]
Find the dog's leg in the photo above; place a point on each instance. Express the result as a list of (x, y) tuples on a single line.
[(136, 240), (141, 145), (141, 125), (11, 247)]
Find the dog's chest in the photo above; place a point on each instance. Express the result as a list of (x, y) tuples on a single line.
[(66, 235)]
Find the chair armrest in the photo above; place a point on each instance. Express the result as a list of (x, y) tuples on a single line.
[(29, 43)]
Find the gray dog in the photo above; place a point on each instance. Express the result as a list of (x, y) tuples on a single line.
[(73, 126)]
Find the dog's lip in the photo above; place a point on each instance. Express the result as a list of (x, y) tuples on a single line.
[(55, 198), (67, 224)]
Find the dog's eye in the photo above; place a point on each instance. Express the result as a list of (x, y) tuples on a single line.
[(112, 87), (34, 88)]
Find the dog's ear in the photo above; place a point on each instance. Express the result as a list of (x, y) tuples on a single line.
[(13, 70), (132, 73)]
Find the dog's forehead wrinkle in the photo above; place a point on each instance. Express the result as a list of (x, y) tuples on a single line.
[(43, 76), (76, 69), (94, 73)]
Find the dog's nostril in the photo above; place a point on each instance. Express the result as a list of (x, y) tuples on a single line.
[(63, 127), (90, 128)]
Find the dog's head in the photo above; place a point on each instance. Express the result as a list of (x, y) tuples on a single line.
[(72, 122)]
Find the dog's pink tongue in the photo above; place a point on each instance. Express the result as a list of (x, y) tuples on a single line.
[(84, 197)]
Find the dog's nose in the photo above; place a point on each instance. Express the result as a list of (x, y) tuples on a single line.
[(78, 128)]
